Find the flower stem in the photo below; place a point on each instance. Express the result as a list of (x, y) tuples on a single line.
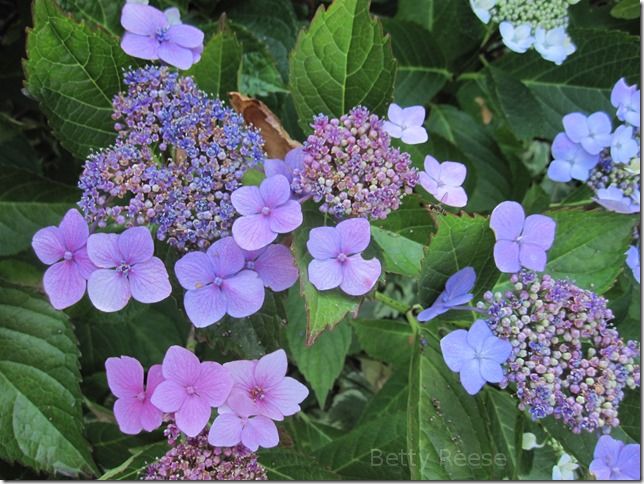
[(191, 342), (392, 303), (579, 203)]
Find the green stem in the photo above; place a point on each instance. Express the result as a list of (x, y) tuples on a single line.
[(579, 203), (191, 343), (413, 322), (392, 303)]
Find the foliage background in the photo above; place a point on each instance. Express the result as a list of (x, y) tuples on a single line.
[(374, 386)]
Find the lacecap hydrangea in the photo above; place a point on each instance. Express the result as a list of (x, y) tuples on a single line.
[(178, 156)]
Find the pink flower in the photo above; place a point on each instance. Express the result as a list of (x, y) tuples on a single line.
[(191, 389), (133, 409), (64, 249), (229, 429), (444, 180)]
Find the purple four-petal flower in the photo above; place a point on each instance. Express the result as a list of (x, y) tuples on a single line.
[(444, 180), (570, 160), (292, 162), (458, 291), (406, 124), (275, 266), (613, 460), (593, 132)]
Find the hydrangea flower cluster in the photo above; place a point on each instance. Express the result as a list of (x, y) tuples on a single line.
[(194, 459), (567, 360), (608, 161), (178, 157), (351, 167), (538, 24)]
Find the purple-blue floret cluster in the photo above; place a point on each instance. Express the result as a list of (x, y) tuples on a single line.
[(178, 156), (567, 359)]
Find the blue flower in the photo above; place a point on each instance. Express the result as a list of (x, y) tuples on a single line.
[(627, 101), (623, 146), (476, 354), (516, 38), (457, 291), (570, 160), (633, 261), (593, 132), (614, 199)]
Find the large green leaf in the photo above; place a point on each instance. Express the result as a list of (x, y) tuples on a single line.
[(398, 254), (105, 13), (132, 468), (422, 70), (385, 339), (15, 149), (412, 220), (322, 362), (111, 447), (41, 418), (287, 465), (589, 247), (506, 427), (74, 71), (391, 399), (342, 60)]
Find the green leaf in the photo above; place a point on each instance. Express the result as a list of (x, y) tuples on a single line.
[(583, 83), (321, 363), (626, 9), (41, 418), (74, 72), (110, 446), (422, 69), (592, 257), (390, 400), (219, 69), (106, 13), (385, 340), (506, 426), (460, 241), (398, 254), (282, 464), (412, 220), (309, 434), (132, 468), (355, 66), (15, 149)]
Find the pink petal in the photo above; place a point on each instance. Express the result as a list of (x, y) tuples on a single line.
[(74, 230), (396, 114), (359, 276), (155, 376), (355, 234), (136, 245), (243, 372), (140, 46), (452, 173), (276, 267), (194, 270), (324, 243), (286, 218), (214, 384), (226, 257), (205, 306), (185, 36), (169, 396), (150, 417), (48, 245), (429, 184), (274, 167), (240, 402), (432, 167), (253, 232), (64, 284), (108, 290), (267, 408), (455, 197), (193, 415), (295, 159), (414, 135), (244, 294), (124, 376), (325, 274), (175, 55), (532, 257), (271, 369), (142, 19), (103, 250), (127, 412), (392, 129), (83, 263), (247, 200), (249, 439), (506, 256), (225, 431), (149, 282), (507, 220), (539, 230), (260, 430), (275, 191), (287, 395), (181, 365), (414, 115)]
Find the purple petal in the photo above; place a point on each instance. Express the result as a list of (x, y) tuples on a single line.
[(428, 183), (127, 412), (181, 365), (108, 290), (48, 245), (453, 173), (608, 449), (287, 395), (539, 230), (226, 257), (247, 200), (533, 257), (244, 293), (471, 378), (140, 46), (175, 55), (103, 250), (74, 230), (194, 270), (155, 377), (432, 312), (576, 126), (83, 262), (325, 274), (214, 384), (205, 306), (136, 245), (149, 282), (64, 284), (271, 369), (355, 234), (185, 36), (432, 167), (276, 267), (225, 431), (359, 276), (287, 217), (243, 372), (477, 335), (275, 191), (253, 232), (456, 350), (261, 431), (142, 19), (396, 114), (414, 115), (274, 167), (459, 283), (295, 159), (629, 462), (240, 402), (454, 197), (150, 416), (124, 376), (169, 396), (560, 171), (506, 256), (193, 415), (324, 242), (392, 129), (491, 370), (507, 220), (414, 135)]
